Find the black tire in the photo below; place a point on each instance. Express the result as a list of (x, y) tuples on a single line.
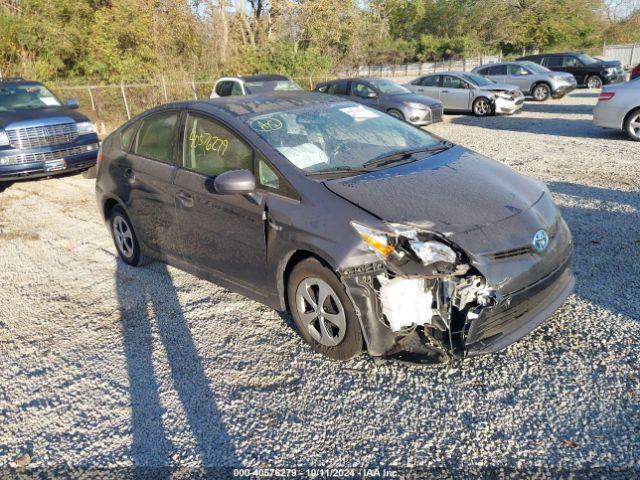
[(541, 92), (396, 113), (131, 254), (482, 107), (593, 82), (630, 129), (310, 270)]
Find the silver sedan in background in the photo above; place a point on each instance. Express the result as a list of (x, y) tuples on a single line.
[(467, 92), (619, 108), (533, 79)]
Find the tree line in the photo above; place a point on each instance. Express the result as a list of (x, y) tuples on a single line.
[(110, 40)]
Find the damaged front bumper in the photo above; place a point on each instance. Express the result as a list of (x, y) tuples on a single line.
[(413, 313)]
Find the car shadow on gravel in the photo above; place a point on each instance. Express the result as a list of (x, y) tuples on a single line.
[(606, 244), (147, 298), (558, 108), (542, 126)]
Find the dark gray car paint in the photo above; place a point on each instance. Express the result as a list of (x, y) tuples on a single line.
[(247, 242)]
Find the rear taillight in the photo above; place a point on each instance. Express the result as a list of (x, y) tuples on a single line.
[(604, 96), (99, 159), (636, 71)]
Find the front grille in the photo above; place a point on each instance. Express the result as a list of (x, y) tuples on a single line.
[(47, 156), (525, 250), (44, 136)]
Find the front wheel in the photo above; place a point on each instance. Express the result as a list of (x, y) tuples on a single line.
[(482, 107), (594, 82), (541, 93), (323, 312), (396, 113), (632, 125)]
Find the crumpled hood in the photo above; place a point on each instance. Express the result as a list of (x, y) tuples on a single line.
[(415, 98), (499, 87), (39, 116), (451, 192)]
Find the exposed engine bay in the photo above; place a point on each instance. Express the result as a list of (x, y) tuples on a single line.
[(423, 291)]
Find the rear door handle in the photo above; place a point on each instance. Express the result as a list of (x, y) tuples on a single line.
[(445, 91), (185, 198)]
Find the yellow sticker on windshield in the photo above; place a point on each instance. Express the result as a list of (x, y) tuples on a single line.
[(266, 125), (208, 142)]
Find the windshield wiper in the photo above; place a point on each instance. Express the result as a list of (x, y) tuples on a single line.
[(337, 171), (406, 155)]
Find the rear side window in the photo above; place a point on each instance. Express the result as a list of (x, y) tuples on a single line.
[(498, 70), (223, 89), (431, 81), (156, 136), (236, 89), (211, 149), (337, 88), (483, 71), (127, 135), (554, 61)]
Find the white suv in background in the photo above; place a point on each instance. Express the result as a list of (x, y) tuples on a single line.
[(251, 84), (619, 107)]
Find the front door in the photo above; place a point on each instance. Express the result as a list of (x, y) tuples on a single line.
[(455, 93), (222, 234), (365, 94), (148, 169), (520, 77)]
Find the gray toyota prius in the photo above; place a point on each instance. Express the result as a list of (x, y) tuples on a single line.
[(374, 234)]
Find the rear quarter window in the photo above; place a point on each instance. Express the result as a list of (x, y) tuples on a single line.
[(127, 136)]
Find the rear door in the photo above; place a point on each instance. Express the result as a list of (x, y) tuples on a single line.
[(430, 86), (149, 169), (455, 93), (499, 73), (221, 234)]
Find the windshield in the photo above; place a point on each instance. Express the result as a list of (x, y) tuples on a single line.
[(534, 67), (478, 80), (271, 86), (24, 97), (339, 136), (586, 59), (389, 87)]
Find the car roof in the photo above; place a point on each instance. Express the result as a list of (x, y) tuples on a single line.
[(18, 81), (263, 78), (247, 105)]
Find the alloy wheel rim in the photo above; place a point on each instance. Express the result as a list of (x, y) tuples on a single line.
[(594, 82), (482, 107), (540, 93), (321, 311), (123, 235), (634, 126)]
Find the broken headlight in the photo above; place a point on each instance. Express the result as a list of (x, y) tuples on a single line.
[(400, 241)]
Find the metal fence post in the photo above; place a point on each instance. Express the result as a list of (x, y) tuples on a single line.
[(164, 89), (124, 99), (632, 56), (193, 87), (93, 104)]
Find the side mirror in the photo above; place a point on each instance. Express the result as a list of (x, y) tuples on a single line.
[(235, 182), (72, 103)]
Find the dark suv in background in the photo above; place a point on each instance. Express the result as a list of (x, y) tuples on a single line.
[(588, 71), (39, 136)]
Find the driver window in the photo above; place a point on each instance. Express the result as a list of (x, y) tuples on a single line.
[(571, 62), (517, 70), (361, 90), (211, 149), (453, 82)]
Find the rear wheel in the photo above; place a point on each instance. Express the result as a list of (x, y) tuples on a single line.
[(541, 92), (125, 238), (482, 107), (396, 113), (594, 82), (632, 125), (323, 312)]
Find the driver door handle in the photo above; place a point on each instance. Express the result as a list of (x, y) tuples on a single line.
[(185, 198)]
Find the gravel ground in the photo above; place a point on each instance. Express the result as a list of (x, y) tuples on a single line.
[(108, 366)]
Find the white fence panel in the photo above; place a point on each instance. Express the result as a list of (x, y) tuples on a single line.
[(629, 54)]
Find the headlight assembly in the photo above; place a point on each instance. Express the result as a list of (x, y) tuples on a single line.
[(416, 106), (4, 139), (85, 128)]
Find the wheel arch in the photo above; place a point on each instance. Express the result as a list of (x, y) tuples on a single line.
[(629, 113), (286, 267)]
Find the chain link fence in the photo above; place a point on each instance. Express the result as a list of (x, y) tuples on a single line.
[(109, 106)]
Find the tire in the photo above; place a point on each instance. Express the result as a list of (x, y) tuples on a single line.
[(124, 238), (395, 113), (482, 107), (632, 125), (541, 92), (340, 337), (593, 82)]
